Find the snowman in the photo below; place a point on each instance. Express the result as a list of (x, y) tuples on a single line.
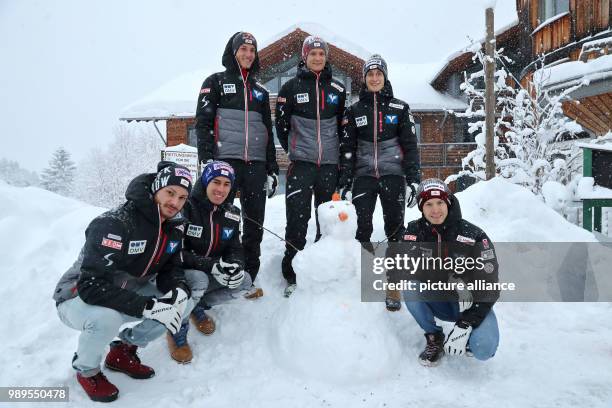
[(324, 329)]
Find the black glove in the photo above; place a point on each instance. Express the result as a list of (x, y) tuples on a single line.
[(228, 274), (412, 197)]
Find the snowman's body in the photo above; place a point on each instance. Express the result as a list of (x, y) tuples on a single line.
[(325, 324)]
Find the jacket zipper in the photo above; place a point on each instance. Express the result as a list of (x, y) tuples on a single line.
[(246, 116), (156, 243), (375, 138), (318, 120), (212, 235)]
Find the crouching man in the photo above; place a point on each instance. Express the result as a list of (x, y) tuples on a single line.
[(442, 234), (128, 270), (212, 254)]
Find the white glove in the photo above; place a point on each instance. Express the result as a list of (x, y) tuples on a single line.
[(346, 193), (180, 299), (465, 297), (457, 340), (271, 184), (228, 274), (412, 198), (163, 311)]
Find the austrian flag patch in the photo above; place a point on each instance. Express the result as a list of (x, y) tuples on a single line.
[(409, 237), (111, 243), (204, 91)]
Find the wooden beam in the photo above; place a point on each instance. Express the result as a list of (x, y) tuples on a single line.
[(490, 93)]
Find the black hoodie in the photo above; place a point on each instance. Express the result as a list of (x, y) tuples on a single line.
[(456, 238), (380, 137), (124, 248), (233, 118)]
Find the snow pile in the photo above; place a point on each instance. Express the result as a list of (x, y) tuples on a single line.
[(243, 363), (575, 72), (326, 308)]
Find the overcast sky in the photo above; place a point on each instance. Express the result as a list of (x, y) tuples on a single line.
[(69, 67)]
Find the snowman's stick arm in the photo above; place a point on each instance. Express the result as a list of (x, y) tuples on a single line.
[(270, 231)]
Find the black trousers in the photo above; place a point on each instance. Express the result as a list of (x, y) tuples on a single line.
[(250, 181), (392, 193), (302, 180)]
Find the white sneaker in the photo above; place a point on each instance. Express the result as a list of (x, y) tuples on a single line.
[(289, 289)]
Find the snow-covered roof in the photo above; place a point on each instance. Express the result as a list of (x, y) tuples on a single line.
[(324, 33), (175, 99), (575, 72), (411, 83)]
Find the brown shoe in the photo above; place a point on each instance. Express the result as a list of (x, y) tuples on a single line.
[(206, 326), (253, 293), (179, 349), (393, 300)]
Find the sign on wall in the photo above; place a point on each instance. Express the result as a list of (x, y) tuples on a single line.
[(184, 155)]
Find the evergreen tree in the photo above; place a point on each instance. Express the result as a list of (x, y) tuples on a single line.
[(59, 176)]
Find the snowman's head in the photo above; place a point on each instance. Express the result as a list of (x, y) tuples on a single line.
[(338, 219)]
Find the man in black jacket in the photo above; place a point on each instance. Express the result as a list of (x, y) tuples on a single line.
[(212, 254), (309, 113), (381, 144), (126, 249), (443, 234), (233, 124)]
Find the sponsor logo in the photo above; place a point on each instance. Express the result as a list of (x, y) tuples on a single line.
[(485, 243), (160, 182), (204, 91), (180, 228), (227, 233), (137, 247), (185, 183), (461, 238), (229, 88), (374, 62), (257, 94), (361, 121), (488, 267), (232, 216), (338, 87), (391, 119), (111, 243), (172, 247), (302, 98), (280, 99), (113, 236), (204, 101), (437, 193), (332, 99), (488, 254), (409, 237), (107, 257), (426, 251), (410, 116), (195, 231), (396, 105), (183, 173)]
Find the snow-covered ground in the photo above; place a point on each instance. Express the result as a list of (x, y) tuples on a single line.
[(550, 354)]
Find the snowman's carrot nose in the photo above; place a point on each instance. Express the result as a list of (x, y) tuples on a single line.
[(343, 216), (335, 197)]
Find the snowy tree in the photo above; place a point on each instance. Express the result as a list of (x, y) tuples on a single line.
[(528, 120), (59, 176), (105, 174), (13, 174)]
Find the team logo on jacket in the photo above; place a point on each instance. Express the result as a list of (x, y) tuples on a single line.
[(229, 88), (257, 94), (391, 119), (489, 267), (396, 105), (111, 243), (137, 247), (195, 231), (361, 121), (466, 240), (409, 237), (332, 98), (118, 238), (302, 98), (172, 247), (227, 234)]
